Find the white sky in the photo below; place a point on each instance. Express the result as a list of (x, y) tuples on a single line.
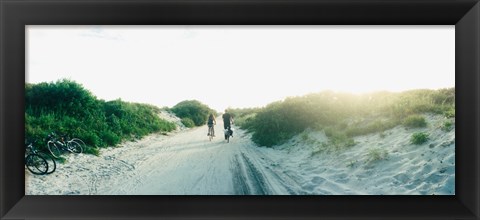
[(246, 66)]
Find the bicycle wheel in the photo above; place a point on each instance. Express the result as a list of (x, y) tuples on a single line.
[(36, 164), (210, 133), (52, 165), (74, 147), (54, 149), (78, 140), (227, 136)]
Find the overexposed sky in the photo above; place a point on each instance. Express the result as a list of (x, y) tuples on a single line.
[(239, 66)]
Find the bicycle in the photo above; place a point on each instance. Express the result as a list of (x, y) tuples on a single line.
[(211, 132), (52, 165), (37, 163), (78, 140), (228, 134), (56, 146)]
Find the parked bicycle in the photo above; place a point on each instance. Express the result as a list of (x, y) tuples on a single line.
[(57, 145), (37, 162)]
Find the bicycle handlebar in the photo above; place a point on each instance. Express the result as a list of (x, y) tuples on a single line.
[(53, 134)]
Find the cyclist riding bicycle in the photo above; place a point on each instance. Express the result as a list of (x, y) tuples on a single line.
[(210, 123), (227, 123)]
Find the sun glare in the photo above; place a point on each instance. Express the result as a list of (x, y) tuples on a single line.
[(245, 66)]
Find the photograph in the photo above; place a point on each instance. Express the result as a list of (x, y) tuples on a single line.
[(240, 110)]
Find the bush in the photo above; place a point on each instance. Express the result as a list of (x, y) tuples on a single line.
[(244, 118), (415, 121), (188, 122), (447, 126), (419, 138), (66, 108), (245, 121), (64, 97), (110, 138), (91, 138), (194, 110), (450, 113)]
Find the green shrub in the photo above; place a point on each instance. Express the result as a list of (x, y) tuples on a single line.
[(110, 138), (66, 108), (242, 112), (415, 121), (194, 110), (245, 121), (419, 138), (64, 97), (447, 126), (188, 122), (244, 117), (450, 113), (90, 138)]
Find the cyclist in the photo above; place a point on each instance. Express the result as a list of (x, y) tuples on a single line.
[(210, 123), (227, 122)]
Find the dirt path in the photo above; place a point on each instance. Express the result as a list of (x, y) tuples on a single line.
[(183, 163)]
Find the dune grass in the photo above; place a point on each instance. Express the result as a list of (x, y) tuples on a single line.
[(344, 115), (415, 121), (376, 154)]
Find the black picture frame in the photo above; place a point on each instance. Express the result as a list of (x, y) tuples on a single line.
[(15, 14)]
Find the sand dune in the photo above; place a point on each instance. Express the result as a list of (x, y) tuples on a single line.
[(405, 169)]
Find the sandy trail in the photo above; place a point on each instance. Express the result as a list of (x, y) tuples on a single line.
[(185, 163)]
